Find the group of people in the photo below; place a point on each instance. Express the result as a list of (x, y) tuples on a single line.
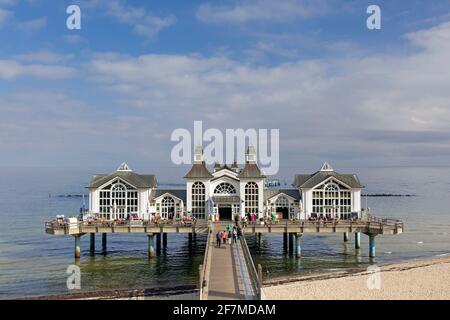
[(249, 218), (231, 234)]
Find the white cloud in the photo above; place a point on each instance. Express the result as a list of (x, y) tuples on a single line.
[(356, 106), (142, 21), (73, 39), (261, 10), (7, 2), (8, 16), (31, 25), (379, 108), (44, 56), (5, 15), (11, 69)]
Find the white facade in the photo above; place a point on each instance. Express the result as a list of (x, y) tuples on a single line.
[(224, 193), (328, 194)]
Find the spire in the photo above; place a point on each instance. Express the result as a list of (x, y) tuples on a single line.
[(124, 167), (250, 156), (198, 154), (326, 167)]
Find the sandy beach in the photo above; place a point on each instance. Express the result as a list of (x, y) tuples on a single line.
[(414, 280)]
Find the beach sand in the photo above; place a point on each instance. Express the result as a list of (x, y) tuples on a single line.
[(425, 279)]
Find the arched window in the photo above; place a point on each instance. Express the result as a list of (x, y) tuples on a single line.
[(198, 200), (118, 197), (225, 188), (282, 202), (251, 198), (332, 199), (118, 200), (167, 208)]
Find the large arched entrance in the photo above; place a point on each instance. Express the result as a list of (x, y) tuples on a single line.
[(224, 198), (282, 207)]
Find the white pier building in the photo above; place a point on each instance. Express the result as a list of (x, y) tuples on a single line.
[(224, 192)]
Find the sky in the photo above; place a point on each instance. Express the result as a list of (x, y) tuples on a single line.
[(115, 90)]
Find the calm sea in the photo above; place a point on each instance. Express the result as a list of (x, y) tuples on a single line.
[(34, 263)]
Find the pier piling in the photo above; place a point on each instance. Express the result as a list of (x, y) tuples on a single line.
[(77, 246), (151, 245), (372, 246), (345, 236), (285, 241), (357, 240), (92, 244), (291, 243), (104, 241), (258, 238), (298, 247), (164, 240), (158, 242)]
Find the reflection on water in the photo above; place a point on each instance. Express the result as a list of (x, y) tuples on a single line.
[(33, 263)]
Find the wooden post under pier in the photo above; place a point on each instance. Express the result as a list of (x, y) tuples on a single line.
[(298, 247), (371, 245), (92, 243), (77, 246), (158, 243), (285, 241), (151, 245), (190, 239), (357, 240), (104, 240), (346, 238), (164, 240), (291, 243)]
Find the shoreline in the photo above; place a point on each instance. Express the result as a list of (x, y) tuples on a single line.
[(408, 280), (348, 284), (187, 292)]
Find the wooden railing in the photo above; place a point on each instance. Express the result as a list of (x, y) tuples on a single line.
[(205, 268), (63, 225), (255, 275), (369, 223)]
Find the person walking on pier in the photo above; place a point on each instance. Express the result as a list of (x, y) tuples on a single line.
[(224, 236), (219, 238), (234, 235)]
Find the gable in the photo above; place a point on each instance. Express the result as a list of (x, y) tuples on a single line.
[(178, 194), (136, 180), (312, 181)]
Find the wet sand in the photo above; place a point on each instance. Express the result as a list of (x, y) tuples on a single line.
[(414, 280)]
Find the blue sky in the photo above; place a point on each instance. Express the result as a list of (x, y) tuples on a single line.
[(115, 90)]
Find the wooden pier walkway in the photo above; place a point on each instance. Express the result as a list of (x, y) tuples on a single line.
[(228, 271)]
